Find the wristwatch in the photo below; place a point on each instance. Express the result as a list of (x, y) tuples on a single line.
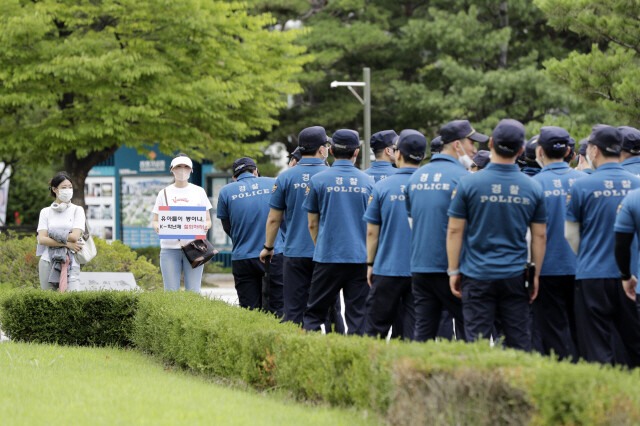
[(454, 272)]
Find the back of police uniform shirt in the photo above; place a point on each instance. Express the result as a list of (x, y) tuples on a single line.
[(339, 195), (245, 203), (593, 202), (632, 165), (288, 195), (428, 198), (556, 180), (387, 209), (499, 204), (380, 170)]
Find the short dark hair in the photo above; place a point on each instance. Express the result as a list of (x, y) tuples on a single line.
[(554, 153), (604, 152), (309, 151), (378, 152), (57, 180), (248, 169), (503, 154), (343, 153), (410, 160)]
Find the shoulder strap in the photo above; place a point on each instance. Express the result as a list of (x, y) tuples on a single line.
[(165, 197)]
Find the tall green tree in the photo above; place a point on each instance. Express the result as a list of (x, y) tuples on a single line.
[(80, 78), (431, 62), (610, 71)]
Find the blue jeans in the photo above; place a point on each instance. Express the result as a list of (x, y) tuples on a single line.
[(173, 263)]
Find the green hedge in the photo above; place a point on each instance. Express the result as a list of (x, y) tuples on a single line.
[(409, 383), (75, 318)]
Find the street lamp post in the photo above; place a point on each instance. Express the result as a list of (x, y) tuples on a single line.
[(366, 102)]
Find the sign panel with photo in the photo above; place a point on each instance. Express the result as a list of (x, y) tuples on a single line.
[(100, 201)]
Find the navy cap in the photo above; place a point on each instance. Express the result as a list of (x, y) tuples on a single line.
[(383, 139), (242, 164), (436, 145), (530, 148), (630, 139), (555, 139), (345, 138), (312, 138), (296, 154), (460, 129), (606, 137), (412, 144), (481, 159), (508, 136), (583, 146)]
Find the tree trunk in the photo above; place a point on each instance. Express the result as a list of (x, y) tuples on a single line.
[(78, 169)]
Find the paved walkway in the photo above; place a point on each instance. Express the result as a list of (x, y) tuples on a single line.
[(222, 288)]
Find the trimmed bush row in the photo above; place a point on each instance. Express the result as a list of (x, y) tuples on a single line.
[(434, 383)]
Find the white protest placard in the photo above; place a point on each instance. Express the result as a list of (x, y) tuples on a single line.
[(182, 222)]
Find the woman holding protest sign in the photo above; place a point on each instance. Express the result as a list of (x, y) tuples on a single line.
[(181, 193)]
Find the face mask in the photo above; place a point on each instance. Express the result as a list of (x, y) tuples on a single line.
[(589, 160), (325, 155), (465, 160), (539, 161), (181, 174), (65, 195)]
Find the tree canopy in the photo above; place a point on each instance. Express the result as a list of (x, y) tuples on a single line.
[(80, 78)]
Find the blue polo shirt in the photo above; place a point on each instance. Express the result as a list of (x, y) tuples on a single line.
[(499, 203), (628, 221), (428, 198), (380, 170), (245, 203), (339, 195), (556, 180), (387, 209), (530, 171), (288, 195), (593, 202), (632, 165)]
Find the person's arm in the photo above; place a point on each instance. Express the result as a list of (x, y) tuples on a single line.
[(572, 234), (156, 223), (45, 240), (209, 223), (373, 233), (314, 224), (538, 248), (273, 224), (455, 232), (226, 226), (623, 259)]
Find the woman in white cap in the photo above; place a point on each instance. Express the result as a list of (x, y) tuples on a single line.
[(173, 262)]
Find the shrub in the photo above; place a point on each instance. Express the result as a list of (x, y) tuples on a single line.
[(151, 253), (75, 318), (19, 264)]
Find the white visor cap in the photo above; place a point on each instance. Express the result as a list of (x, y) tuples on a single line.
[(181, 160)]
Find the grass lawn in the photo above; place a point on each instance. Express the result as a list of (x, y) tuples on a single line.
[(45, 384)]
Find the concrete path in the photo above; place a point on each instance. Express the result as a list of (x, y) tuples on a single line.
[(221, 287)]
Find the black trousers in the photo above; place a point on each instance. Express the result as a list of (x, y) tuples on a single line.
[(507, 299), (328, 279), (554, 317), (297, 272), (434, 307), (601, 307), (248, 274), (389, 301)]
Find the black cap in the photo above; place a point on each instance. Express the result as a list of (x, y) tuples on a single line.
[(312, 138), (460, 129), (412, 144), (436, 145), (530, 148), (345, 138), (606, 137), (242, 164), (382, 139), (555, 139), (508, 136), (630, 139), (296, 154), (481, 159)]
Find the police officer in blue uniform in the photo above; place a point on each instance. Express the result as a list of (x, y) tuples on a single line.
[(288, 195), (382, 146), (243, 207), (480, 160), (626, 227), (498, 205), (554, 317), (583, 164), (295, 156), (428, 198), (591, 215), (388, 230), (336, 201), (531, 167), (436, 145), (630, 152)]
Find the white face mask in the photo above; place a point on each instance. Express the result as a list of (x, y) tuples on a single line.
[(181, 175), (65, 195), (326, 153), (589, 160), (465, 160), (539, 161)]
